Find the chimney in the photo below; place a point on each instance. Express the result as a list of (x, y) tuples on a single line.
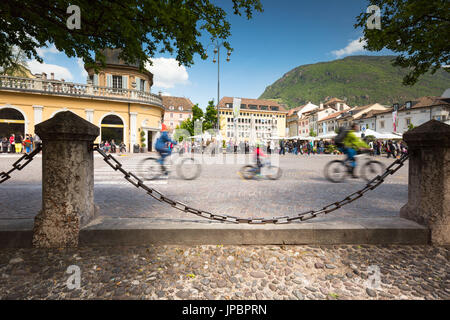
[(160, 93), (52, 76), (44, 76), (321, 106)]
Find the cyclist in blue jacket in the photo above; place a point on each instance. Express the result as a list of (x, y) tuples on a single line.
[(162, 147)]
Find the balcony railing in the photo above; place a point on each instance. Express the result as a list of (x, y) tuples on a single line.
[(53, 87)]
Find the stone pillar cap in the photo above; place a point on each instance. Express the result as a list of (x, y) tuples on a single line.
[(431, 133), (67, 125)]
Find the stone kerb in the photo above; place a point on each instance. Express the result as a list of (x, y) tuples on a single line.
[(429, 179), (67, 180)]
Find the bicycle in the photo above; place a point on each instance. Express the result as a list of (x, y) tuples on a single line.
[(187, 168), (337, 170), (249, 172)]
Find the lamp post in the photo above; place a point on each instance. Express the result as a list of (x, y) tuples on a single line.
[(217, 46)]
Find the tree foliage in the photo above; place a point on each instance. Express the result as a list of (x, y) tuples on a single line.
[(416, 29), (16, 65), (210, 116), (141, 28)]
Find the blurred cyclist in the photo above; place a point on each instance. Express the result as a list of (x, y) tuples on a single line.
[(162, 146), (258, 155), (351, 144)]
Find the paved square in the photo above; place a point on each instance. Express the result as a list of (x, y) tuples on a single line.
[(219, 189)]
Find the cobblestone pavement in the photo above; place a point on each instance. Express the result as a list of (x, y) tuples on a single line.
[(219, 189), (229, 272)]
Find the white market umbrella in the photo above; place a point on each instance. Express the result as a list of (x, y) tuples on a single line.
[(330, 135)]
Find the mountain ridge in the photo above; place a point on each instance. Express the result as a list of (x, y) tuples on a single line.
[(360, 80)]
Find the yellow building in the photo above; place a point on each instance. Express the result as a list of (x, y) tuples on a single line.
[(258, 120), (117, 99)]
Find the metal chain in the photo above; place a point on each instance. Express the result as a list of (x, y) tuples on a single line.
[(18, 166), (139, 183)]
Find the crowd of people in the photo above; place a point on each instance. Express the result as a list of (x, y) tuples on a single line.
[(391, 148), (303, 147), (16, 143), (112, 147)]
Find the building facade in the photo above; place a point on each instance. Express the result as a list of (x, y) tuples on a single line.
[(117, 99), (258, 120), (177, 110), (414, 113), (295, 126), (313, 121)]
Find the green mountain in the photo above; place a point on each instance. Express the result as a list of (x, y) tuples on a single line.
[(359, 80)]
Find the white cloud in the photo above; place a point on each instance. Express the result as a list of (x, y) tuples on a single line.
[(44, 50), (60, 72), (167, 73), (353, 47), (80, 64)]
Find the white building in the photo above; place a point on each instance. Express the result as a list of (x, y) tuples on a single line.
[(415, 112)]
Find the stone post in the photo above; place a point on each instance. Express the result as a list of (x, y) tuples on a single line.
[(67, 180), (429, 179)]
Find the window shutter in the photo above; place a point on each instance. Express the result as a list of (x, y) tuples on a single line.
[(95, 80), (109, 80), (124, 82), (138, 83), (145, 85)]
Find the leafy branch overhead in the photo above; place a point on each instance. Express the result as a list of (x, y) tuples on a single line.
[(418, 30), (141, 28)]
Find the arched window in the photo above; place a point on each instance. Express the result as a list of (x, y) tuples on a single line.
[(112, 129), (11, 121)]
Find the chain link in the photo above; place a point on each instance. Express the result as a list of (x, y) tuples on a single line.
[(27, 158), (371, 185)]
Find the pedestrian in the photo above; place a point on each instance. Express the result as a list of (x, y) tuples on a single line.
[(27, 144), (12, 142), (5, 145), (320, 148), (107, 145), (18, 143), (282, 147), (30, 137), (389, 149), (113, 146), (372, 153), (36, 141)]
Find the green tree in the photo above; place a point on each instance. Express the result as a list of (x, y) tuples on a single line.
[(188, 125), (411, 126), (210, 116), (197, 112), (416, 29), (16, 65), (312, 133), (140, 28)]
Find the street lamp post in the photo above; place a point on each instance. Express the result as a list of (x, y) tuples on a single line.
[(217, 46)]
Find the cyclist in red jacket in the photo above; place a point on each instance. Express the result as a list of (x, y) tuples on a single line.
[(259, 154)]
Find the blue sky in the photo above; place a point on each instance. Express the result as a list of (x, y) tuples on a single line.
[(289, 33)]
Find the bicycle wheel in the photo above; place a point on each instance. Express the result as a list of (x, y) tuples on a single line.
[(150, 169), (372, 169), (248, 172), (188, 169), (336, 171), (273, 172)]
